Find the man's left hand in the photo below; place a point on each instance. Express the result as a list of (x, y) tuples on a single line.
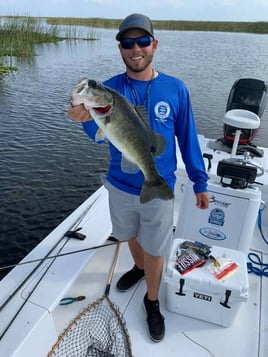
[(202, 200)]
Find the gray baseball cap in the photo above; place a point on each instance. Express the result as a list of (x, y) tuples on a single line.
[(135, 22)]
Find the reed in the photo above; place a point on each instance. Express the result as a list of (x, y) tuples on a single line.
[(19, 34), (216, 26), (178, 25)]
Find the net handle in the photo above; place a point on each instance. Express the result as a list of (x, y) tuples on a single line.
[(110, 277)]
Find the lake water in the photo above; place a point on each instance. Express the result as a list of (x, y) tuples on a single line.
[(49, 166)]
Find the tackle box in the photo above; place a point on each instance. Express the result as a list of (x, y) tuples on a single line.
[(200, 293)]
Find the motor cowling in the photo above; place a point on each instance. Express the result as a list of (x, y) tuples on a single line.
[(248, 94)]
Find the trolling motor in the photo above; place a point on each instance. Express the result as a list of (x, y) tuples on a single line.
[(245, 106)]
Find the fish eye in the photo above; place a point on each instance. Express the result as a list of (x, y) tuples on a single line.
[(92, 83)]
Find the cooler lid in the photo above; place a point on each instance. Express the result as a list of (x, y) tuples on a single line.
[(203, 279)]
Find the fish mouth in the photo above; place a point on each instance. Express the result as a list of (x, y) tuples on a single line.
[(102, 110)]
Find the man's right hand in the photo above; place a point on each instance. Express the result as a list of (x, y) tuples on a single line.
[(79, 113)]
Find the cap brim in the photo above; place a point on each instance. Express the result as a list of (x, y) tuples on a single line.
[(123, 32)]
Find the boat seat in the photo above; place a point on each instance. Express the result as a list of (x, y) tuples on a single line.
[(240, 119)]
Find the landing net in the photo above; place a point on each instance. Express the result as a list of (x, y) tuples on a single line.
[(100, 331)]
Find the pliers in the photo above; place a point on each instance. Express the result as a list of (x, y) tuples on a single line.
[(70, 300)]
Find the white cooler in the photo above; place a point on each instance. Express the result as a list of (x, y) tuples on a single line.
[(200, 295)]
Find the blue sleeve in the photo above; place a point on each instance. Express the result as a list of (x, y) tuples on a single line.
[(186, 133)]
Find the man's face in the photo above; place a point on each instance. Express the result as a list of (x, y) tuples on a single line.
[(137, 59)]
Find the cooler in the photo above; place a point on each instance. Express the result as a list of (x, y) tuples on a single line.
[(228, 222), (199, 294)]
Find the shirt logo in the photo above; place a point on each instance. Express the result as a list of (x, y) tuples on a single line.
[(162, 111)]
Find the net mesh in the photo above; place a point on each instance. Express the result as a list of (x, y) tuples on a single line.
[(100, 331)]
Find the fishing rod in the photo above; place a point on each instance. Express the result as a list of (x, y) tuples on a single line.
[(27, 298), (76, 223), (72, 227), (112, 239)]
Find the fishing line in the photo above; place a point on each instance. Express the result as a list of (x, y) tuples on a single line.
[(74, 225), (28, 297), (61, 255), (198, 344)]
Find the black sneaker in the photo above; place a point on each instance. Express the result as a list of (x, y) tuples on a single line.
[(155, 320), (130, 279)]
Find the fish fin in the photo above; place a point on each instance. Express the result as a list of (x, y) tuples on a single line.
[(158, 141), (158, 144), (128, 167), (158, 189), (100, 135)]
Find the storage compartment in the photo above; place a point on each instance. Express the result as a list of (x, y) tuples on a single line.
[(228, 222), (199, 294)]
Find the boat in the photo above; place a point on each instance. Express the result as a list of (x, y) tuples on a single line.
[(48, 293)]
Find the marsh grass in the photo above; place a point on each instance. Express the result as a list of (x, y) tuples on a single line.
[(215, 26), (18, 35), (222, 26)]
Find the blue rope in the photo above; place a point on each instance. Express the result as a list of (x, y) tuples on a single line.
[(255, 264)]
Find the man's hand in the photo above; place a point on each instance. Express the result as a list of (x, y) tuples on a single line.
[(202, 200), (79, 113)]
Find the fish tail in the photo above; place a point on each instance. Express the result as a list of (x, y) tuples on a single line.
[(158, 189)]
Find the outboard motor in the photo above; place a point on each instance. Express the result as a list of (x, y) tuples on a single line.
[(248, 94), (245, 106)]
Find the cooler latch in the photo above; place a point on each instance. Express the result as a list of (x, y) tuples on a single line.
[(180, 292), (225, 302)]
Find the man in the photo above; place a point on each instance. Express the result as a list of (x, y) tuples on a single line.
[(148, 226)]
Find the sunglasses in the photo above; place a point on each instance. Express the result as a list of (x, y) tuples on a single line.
[(143, 41)]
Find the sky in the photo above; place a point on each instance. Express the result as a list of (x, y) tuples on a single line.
[(196, 10)]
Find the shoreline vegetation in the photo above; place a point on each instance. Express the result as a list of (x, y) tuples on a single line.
[(172, 25), (19, 34)]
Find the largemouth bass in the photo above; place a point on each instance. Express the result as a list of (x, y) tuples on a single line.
[(125, 126)]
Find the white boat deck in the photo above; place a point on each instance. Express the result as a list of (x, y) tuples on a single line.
[(31, 318), (247, 336)]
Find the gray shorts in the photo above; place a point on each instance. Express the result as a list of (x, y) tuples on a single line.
[(151, 223)]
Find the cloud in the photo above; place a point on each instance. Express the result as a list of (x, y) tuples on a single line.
[(201, 10)]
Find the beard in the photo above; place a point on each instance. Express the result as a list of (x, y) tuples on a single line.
[(139, 67)]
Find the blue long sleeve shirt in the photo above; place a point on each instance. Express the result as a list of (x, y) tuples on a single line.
[(170, 114)]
